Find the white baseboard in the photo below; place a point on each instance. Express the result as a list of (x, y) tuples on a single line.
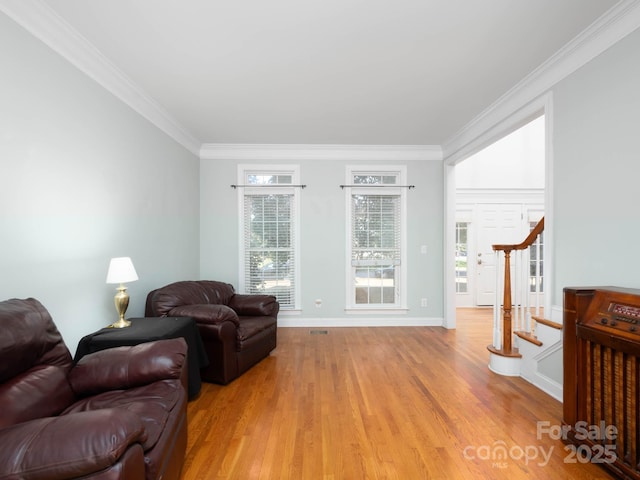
[(366, 321)]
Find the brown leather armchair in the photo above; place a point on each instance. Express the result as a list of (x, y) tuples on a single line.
[(117, 414), (237, 330)]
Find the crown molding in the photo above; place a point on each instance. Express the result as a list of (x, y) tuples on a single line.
[(46, 25), (621, 20), (42, 22), (226, 151)]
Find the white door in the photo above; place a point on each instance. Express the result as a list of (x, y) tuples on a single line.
[(496, 224)]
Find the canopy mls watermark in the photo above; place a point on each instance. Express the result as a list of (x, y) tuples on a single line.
[(601, 450)]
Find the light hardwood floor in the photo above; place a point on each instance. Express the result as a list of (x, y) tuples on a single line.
[(378, 403)]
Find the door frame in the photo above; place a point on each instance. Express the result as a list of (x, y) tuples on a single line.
[(472, 143), (469, 203)]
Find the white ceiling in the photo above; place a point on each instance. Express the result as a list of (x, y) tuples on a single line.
[(351, 72)]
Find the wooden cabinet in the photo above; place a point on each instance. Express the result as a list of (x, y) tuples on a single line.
[(601, 336)]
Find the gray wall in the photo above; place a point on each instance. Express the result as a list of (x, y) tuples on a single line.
[(597, 171), (84, 179), (323, 241)]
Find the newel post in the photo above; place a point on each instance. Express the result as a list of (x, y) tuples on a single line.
[(506, 305)]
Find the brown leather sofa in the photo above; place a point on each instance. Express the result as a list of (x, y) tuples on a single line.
[(237, 330), (117, 414)]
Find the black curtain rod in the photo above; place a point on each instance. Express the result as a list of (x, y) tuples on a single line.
[(269, 185), (378, 186)]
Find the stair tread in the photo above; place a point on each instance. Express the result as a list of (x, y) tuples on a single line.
[(529, 337), (547, 322), (514, 353)]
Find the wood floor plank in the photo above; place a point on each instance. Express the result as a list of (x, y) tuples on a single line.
[(377, 403)]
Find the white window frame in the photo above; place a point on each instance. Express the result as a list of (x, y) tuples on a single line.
[(293, 189), (400, 189)]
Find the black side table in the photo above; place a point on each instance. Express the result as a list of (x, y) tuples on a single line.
[(149, 329)]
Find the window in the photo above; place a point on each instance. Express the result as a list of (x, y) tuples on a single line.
[(462, 231), (376, 235), (536, 262), (269, 206)]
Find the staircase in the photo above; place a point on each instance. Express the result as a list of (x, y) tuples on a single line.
[(523, 339)]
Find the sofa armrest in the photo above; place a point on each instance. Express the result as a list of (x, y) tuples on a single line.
[(254, 305), (206, 313), (68, 446), (127, 367)]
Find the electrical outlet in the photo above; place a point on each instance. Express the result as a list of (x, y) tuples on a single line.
[(318, 302), (423, 249), (423, 302)]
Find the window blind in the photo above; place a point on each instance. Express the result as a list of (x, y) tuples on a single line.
[(375, 249), (269, 246)]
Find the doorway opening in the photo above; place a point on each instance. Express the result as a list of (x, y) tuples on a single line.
[(500, 196)]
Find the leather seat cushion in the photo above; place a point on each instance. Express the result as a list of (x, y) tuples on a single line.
[(152, 403), (250, 326)]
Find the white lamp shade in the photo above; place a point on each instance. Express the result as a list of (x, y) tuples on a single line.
[(121, 270)]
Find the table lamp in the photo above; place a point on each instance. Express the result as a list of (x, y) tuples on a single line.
[(121, 271)]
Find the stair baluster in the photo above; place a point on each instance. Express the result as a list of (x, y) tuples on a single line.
[(516, 313)]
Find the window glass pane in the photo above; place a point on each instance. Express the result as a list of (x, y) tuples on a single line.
[(364, 179), (462, 229), (536, 262), (389, 179), (254, 179), (374, 179), (267, 179)]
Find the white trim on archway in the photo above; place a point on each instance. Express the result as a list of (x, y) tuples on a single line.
[(540, 106)]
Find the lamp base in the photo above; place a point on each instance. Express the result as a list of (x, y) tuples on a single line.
[(120, 324), (122, 302)]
